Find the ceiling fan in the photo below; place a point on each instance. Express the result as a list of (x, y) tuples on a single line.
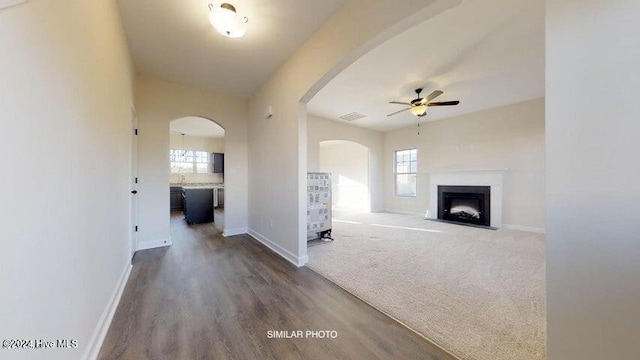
[(419, 105)]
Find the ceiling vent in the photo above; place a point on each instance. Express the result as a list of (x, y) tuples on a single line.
[(352, 116)]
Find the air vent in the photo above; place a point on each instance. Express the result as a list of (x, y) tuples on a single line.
[(352, 116)]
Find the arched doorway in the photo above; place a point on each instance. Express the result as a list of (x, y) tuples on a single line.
[(196, 179)]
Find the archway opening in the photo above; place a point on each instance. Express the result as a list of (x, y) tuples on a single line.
[(196, 175), (487, 141)]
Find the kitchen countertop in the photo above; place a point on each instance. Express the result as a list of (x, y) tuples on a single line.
[(198, 186)]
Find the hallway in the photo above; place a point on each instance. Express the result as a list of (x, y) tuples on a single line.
[(209, 297)]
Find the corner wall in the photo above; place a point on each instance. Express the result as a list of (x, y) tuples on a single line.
[(593, 172), (509, 137), (158, 102), (66, 99)]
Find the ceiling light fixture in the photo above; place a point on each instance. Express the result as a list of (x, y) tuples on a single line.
[(419, 110), (226, 20)]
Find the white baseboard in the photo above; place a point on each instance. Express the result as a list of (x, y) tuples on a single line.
[(233, 232), (152, 244), (100, 331), (532, 229), (286, 254)]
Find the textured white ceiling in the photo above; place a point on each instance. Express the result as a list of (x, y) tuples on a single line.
[(174, 40), (485, 53), (196, 126)]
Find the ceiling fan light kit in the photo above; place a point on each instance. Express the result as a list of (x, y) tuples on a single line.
[(226, 20), (419, 110)]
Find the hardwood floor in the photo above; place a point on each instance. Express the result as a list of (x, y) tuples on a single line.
[(209, 297)]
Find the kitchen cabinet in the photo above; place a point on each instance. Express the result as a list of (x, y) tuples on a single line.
[(217, 162), (176, 198), (198, 205)]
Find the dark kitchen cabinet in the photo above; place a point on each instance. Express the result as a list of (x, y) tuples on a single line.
[(198, 205), (176, 198), (217, 160)]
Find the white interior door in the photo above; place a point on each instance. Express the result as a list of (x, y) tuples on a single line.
[(133, 211)]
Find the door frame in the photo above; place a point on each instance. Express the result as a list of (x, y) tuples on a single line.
[(133, 183)]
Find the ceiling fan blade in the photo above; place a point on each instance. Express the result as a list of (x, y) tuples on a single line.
[(434, 94), (444, 103), (398, 112), (399, 103)]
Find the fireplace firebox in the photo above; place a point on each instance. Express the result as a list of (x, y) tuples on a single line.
[(465, 204)]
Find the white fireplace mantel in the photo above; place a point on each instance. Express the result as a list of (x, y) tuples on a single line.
[(470, 177)]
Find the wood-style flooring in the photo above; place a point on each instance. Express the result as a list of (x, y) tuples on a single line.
[(210, 297)]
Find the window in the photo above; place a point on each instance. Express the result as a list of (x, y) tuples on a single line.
[(189, 161), (406, 169)]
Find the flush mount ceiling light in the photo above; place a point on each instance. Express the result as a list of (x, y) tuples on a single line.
[(226, 20)]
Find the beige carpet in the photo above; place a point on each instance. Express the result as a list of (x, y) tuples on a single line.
[(479, 294)]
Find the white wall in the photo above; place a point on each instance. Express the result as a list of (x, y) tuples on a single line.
[(159, 102), (196, 143), (348, 162), (320, 129), (509, 137), (278, 146), (66, 98), (593, 197)]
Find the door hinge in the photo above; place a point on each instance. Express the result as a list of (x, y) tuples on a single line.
[(136, 228), (136, 180), (135, 131)]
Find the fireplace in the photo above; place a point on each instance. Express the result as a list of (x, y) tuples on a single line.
[(465, 204)]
